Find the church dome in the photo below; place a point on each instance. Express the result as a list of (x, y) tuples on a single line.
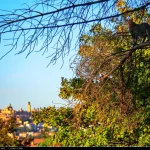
[(10, 107)]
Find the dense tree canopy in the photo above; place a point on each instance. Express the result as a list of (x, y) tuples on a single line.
[(110, 94)]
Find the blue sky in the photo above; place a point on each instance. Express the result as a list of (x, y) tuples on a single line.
[(23, 80)]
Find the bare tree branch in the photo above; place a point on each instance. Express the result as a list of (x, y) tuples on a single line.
[(69, 24), (52, 26), (52, 12)]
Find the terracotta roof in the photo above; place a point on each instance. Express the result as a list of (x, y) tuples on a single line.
[(36, 141)]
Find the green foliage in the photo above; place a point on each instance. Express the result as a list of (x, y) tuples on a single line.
[(109, 127), (97, 118), (7, 129), (47, 142), (53, 117), (126, 132), (71, 88)]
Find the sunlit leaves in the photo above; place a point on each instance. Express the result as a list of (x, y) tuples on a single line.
[(71, 88), (51, 116)]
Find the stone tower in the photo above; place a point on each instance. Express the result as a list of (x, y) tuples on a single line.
[(29, 107)]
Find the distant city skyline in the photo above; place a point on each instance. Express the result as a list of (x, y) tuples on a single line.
[(23, 80), (26, 109)]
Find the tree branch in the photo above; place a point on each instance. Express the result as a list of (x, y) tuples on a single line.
[(68, 24), (126, 56), (52, 12)]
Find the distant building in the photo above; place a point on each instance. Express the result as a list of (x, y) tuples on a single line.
[(26, 122), (20, 115), (23, 115), (23, 134), (36, 134), (19, 121), (7, 112), (29, 107), (31, 127), (30, 133)]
